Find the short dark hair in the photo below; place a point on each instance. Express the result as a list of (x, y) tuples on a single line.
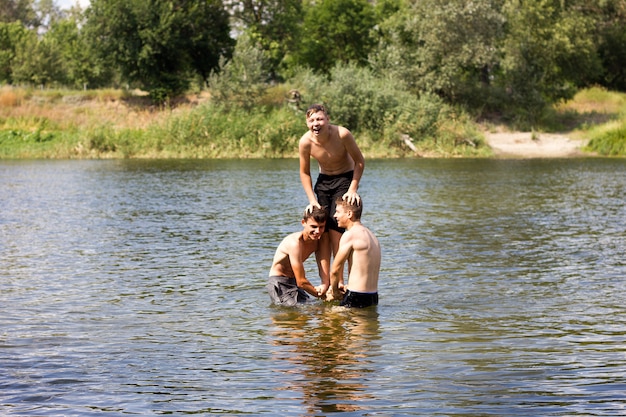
[(314, 108), (356, 208), (318, 214)]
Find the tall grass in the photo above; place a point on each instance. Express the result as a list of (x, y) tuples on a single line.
[(10, 97), (213, 131), (609, 139), (601, 117)]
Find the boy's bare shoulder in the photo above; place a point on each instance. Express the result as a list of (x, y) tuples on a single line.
[(357, 231), (343, 132), (290, 240), (347, 236), (305, 139)]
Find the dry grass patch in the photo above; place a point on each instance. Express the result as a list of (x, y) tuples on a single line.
[(81, 110), (10, 97), (596, 100)]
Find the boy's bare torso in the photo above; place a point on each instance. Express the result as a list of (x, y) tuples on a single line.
[(330, 152), (366, 256), (281, 265)]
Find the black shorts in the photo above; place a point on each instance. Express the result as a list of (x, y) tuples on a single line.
[(327, 189), (359, 299)]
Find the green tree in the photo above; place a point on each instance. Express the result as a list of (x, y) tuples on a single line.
[(19, 10), (160, 44), (458, 45), (48, 13), (612, 52), (37, 61), (499, 55), (610, 21), (81, 66), (243, 79), (448, 47), (549, 52), (335, 31), (11, 39), (274, 25)]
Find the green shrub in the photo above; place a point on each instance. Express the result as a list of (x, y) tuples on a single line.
[(383, 110), (243, 79), (218, 131), (101, 141), (610, 143)]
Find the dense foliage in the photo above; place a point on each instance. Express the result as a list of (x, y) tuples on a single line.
[(378, 61), (160, 44)]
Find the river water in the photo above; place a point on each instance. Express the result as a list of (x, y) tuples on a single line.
[(137, 287)]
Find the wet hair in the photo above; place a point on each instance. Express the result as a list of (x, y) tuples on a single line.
[(356, 208), (320, 215), (314, 108)]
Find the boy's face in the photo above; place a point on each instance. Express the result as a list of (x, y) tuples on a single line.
[(341, 215), (316, 122), (313, 229)]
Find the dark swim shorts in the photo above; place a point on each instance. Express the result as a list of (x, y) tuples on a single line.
[(327, 189), (284, 291), (359, 299)]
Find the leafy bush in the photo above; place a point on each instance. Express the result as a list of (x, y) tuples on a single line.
[(243, 79), (218, 131), (101, 141), (610, 143), (310, 85), (357, 98), (361, 101)]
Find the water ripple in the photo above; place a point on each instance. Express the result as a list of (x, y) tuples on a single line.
[(137, 287)]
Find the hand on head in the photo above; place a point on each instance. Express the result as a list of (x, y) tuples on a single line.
[(309, 208), (352, 198)]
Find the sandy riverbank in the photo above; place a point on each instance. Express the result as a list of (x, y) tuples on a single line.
[(539, 145)]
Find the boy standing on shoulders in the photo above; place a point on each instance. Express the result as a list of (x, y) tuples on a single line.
[(360, 245), (287, 284), (341, 166)]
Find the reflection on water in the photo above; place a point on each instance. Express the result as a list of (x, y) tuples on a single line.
[(329, 353), (138, 287)]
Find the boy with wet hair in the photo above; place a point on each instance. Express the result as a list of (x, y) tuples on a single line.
[(358, 244), (287, 284)]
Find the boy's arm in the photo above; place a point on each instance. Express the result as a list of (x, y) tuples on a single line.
[(345, 249), (322, 256), (305, 172), (359, 166), (297, 266)]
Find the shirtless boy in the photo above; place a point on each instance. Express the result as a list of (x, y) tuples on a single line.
[(360, 245), (341, 166), (287, 283)]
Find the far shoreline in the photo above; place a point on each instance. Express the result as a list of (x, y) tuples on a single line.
[(117, 124)]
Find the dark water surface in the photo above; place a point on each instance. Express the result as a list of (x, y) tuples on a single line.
[(137, 287)]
